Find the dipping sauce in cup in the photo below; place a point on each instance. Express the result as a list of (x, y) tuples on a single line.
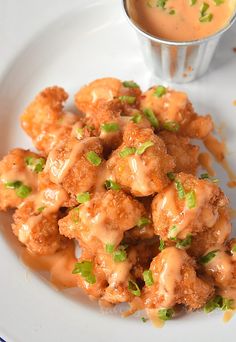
[(179, 37), (181, 20)]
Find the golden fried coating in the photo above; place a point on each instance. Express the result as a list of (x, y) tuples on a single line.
[(37, 231), (102, 220), (140, 165), (185, 154), (174, 107), (187, 206), (14, 172), (44, 120), (71, 164), (175, 282), (107, 89), (214, 236)]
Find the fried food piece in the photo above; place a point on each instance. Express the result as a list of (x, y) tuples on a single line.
[(220, 265), (102, 220), (75, 164), (45, 121), (14, 172), (140, 165), (108, 280), (174, 107), (187, 206), (107, 89), (214, 236), (175, 282), (185, 154), (37, 231)]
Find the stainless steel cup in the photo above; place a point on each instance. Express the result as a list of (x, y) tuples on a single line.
[(178, 62)]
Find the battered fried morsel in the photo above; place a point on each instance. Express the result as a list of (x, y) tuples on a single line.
[(214, 236), (45, 121), (175, 282), (172, 106), (15, 173), (140, 165), (108, 279), (187, 206), (75, 164), (37, 231), (107, 89), (102, 220), (219, 263), (185, 154)]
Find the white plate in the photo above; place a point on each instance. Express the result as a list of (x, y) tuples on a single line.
[(80, 41)]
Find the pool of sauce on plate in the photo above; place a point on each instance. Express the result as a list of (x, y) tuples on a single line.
[(181, 20), (59, 266)]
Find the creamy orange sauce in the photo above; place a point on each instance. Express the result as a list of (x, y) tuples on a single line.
[(222, 265), (57, 168), (140, 179), (178, 20), (172, 262), (59, 266), (218, 150), (206, 162), (156, 321)]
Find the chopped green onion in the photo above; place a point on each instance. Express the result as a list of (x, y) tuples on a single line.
[(144, 320), (133, 288), (171, 126), (160, 91), (191, 199), (119, 255), (83, 197), (109, 184), (23, 191), (204, 7), (171, 176), (85, 269), (144, 146), (213, 304), (162, 245), (93, 158), (75, 215), (182, 244), (204, 176), (127, 99), (151, 117), (148, 278), (192, 2), (165, 314), (130, 84), (172, 12), (13, 185), (206, 18), (109, 248), (80, 133), (208, 257), (35, 164), (233, 249), (90, 128), (228, 304), (218, 2), (172, 232), (110, 127), (161, 3), (41, 209), (143, 221), (127, 151), (180, 189), (136, 118)]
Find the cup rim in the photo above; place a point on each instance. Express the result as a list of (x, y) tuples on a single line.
[(172, 42)]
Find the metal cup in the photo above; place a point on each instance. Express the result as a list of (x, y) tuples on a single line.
[(178, 62)]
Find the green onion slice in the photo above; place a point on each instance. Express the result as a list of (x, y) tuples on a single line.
[(136, 118), (162, 245), (127, 99), (183, 244), (171, 126), (180, 189), (144, 146), (191, 199), (85, 269), (35, 164), (127, 151), (165, 314), (143, 221), (83, 197), (133, 288), (110, 127), (160, 91), (151, 117), (93, 158), (111, 185), (208, 257), (109, 248), (148, 278), (130, 84)]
